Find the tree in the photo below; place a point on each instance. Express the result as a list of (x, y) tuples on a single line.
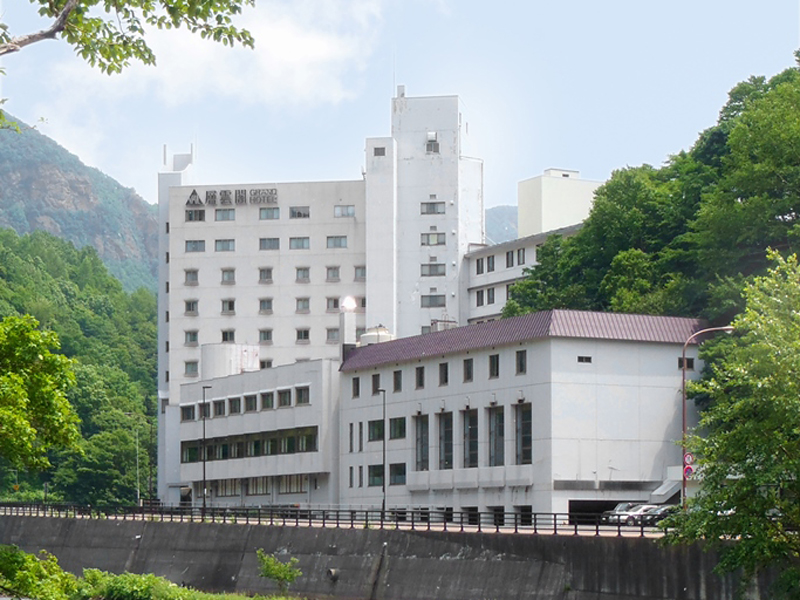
[(35, 414), (748, 442), (282, 573), (109, 33)]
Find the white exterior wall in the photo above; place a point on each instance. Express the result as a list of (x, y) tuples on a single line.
[(426, 176), (605, 430), (558, 198), (318, 468)]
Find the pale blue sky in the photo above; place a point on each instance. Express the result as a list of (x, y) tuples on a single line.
[(577, 84)]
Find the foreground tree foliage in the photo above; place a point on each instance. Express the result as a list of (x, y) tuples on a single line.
[(108, 34), (682, 239), (35, 414), (110, 337), (749, 447), (24, 575)]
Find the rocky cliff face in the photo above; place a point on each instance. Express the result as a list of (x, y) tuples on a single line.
[(44, 187)]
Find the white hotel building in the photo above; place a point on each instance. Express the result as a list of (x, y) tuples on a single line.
[(252, 333), (262, 268)]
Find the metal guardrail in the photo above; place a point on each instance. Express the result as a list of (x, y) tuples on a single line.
[(392, 519)]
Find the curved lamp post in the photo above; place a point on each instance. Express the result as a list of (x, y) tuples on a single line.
[(726, 328)]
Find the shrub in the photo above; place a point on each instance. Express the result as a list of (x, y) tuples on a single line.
[(283, 574)]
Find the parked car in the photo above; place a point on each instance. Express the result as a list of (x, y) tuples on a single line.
[(612, 516), (658, 514), (634, 515)]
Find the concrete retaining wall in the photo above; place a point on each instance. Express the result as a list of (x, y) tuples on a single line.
[(391, 565)]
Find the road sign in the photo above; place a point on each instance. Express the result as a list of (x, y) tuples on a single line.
[(688, 458), (688, 471)]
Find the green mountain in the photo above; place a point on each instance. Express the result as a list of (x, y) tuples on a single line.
[(44, 187), (501, 224)]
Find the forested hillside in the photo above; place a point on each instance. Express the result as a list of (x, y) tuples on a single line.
[(111, 334), (682, 239), (44, 187)]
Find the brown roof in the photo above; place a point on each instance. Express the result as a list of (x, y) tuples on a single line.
[(551, 323)]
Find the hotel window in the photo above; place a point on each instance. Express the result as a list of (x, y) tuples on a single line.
[(292, 484), (190, 368), (344, 210), (332, 274), (524, 434), (490, 296), (361, 436), (234, 406), (228, 335), (224, 245), (265, 336), (190, 277), (432, 269), (470, 418), (267, 400), (376, 384), (271, 213), (336, 241), (421, 442), (332, 304), (265, 364), (397, 378), (187, 413), (379, 151), (397, 428), (284, 398), (521, 256), (351, 471), (190, 337), (228, 307), (205, 410), (356, 385), (496, 436), (302, 305), (479, 266), (444, 373), (299, 243), (479, 298), (190, 307), (433, 301), (468, 366), (332, 335), (302, 274), (195, 245), (303, 336), (196, 214), (265, 275), (522, 362), (689, 362), (352, 437), (269, 244), (588, 359), (375, 430), (494, 366), (445, 440), (361, 273), (225, 214), (375, 476), (432, 208), (228, 276), (509, 259), (420, 377), (432, 145), (432, 239), (265, 306), (489, 264), (302, 395), (397, 474), (299, 212), (250, 403)]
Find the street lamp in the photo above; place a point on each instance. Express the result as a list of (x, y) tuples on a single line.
[(203, 410), (727, 328), (385, 474), (138, 488)]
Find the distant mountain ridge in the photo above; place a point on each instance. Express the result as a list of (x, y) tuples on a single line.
[(45, 187), (501, 224)]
